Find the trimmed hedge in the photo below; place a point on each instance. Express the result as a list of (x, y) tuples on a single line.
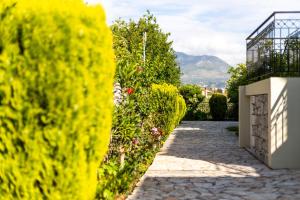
[(218, 106), (56, 69), (169, 106)]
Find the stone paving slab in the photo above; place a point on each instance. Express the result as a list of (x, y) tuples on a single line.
[(202, 160)]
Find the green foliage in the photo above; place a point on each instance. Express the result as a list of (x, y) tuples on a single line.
[(141, 123), (238, 77), (116, 180), (169, 106), (56, 77), (218, 106), (148, 112), (203, 111), (160, 65), (114, 174), (193, 97)]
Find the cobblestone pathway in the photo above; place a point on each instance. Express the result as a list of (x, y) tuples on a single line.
[(202, 160)]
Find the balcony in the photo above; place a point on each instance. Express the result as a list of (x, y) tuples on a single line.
[(273, 49)]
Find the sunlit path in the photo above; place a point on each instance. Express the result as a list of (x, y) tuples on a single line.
[(202, 160)]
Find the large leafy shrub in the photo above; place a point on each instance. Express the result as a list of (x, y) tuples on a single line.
[(193, 97), (56, 77), (218, 106)]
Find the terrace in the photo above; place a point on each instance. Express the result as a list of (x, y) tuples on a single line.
[(273, 49), (269, 105)]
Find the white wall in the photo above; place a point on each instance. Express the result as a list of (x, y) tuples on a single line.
[(283, 116)]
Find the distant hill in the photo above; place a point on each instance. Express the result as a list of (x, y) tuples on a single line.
[(204, 70)]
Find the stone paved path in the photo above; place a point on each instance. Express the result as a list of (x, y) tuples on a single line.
[(202, 160)]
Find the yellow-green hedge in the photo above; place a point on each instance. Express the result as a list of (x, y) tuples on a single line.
[(56, 77), (169, 105)]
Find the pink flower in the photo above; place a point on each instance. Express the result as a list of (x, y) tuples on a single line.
[(155, 131), (135, 141)]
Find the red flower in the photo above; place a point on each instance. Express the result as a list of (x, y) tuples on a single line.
[(130, 90)]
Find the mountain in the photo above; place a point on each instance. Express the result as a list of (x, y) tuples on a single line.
[(209, 71)]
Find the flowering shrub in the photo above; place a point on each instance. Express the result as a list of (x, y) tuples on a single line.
[(144, 114), (141, 123), (56, 69)]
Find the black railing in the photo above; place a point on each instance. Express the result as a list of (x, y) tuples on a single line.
[(273, 49)]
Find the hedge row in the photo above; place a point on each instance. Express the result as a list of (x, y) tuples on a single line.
[(56, 77), (142, 122), (148, 105)]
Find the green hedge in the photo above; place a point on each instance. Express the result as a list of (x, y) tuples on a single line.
[(218, 106), (56, 77), (169, 106)]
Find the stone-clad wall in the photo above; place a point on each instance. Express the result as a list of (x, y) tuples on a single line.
[(259, 126)]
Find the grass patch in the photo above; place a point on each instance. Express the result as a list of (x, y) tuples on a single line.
[(234, 129)]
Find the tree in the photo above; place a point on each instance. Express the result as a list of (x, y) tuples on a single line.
[(238, 78), (160, 65)]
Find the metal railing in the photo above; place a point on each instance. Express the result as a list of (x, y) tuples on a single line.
[(273, 49)]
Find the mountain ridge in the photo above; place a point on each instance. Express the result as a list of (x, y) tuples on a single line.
[(204, 70)]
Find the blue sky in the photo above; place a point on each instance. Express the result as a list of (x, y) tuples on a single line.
[(202, 27)]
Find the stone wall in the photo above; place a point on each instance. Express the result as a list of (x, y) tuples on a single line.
[(259, 126)]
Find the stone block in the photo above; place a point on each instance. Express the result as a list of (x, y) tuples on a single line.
[(252, 99), (254, 119)]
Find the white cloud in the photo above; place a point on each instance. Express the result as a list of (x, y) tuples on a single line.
[(213, 27), (198, 38)]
